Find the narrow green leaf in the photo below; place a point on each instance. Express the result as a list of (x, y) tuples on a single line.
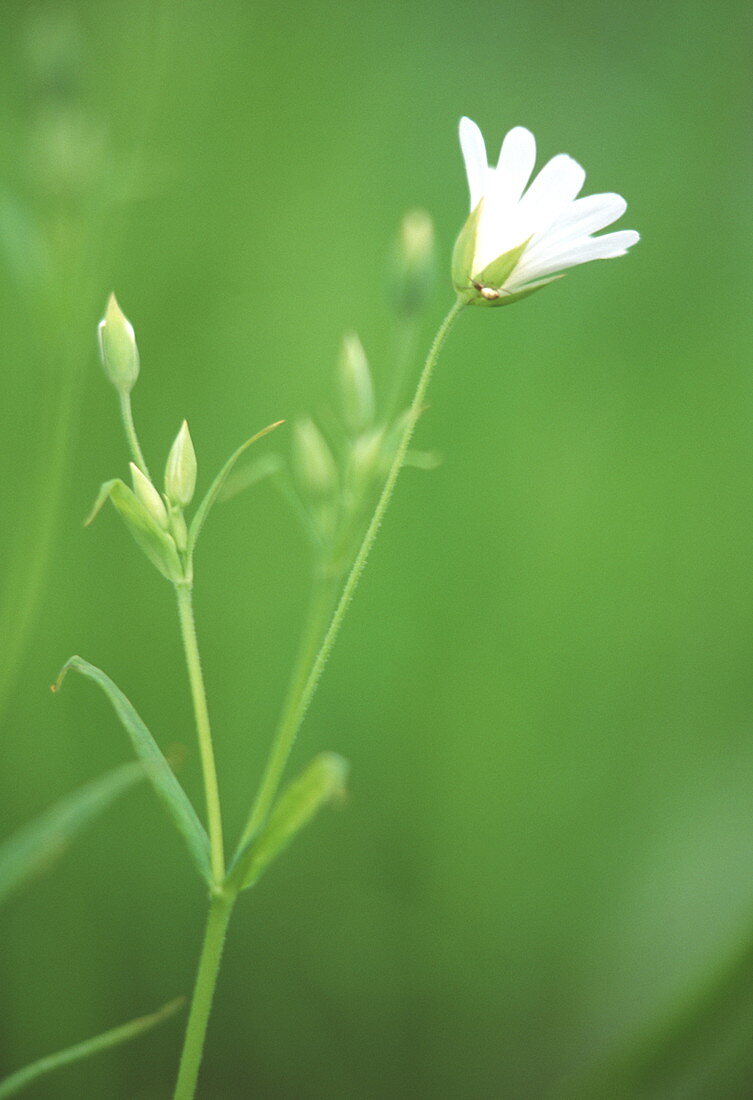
[(215, 488), (35, 846), (122, 1034), (157, 768), (243, 477), (102, 497), (321, 782)]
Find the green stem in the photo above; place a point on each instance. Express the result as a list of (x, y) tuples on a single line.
[(198, 693), (17, 1081), (313, 659), (126, 413), (291, 717), (201, 1004)]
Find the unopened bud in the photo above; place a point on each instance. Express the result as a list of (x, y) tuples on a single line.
[(179, 529), (180, 473), (356, 388), (413, 264), (366, 454), (117, 347), (313, 461), (149, 496)]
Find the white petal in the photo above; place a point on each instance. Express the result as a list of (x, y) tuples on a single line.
[(517, 158), (570, 255), (577, 221), (555, 187), (474, 155), (585, 216)]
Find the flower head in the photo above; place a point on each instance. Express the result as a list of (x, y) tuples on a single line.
[(517, 240)]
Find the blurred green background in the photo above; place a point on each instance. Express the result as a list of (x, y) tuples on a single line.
[(544, 685)]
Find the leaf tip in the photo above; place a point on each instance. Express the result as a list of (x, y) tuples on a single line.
[(55, 688)]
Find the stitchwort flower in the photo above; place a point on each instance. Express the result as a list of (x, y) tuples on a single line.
[(516, 240)]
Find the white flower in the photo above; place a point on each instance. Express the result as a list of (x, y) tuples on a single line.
[(516, 241)]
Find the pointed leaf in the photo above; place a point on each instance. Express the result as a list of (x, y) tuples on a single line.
[(23, 1077), (102, 497), (215, 488), (322, 781), (243, 477), (35, 846), (157, 768)]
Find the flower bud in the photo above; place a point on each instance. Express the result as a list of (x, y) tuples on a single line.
[(180, 473), (117, 347), (366, 453), (149, 496), (156, 543), (179, 529), (413, 265), (314, 464), (356, 388)]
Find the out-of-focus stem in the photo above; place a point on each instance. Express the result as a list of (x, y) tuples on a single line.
[(313, 656)]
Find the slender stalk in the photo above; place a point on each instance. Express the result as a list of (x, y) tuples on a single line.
[(201, 1005), (201, 712), (17, 1081), (313, 659), (126, 413), (290, 718)]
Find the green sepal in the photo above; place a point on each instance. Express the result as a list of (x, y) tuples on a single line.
[(217, 485), (463, 253), (496, 274), (37, 845), (322, 781), (157, 544), (518, 296), (506, 299), (158, 771)]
